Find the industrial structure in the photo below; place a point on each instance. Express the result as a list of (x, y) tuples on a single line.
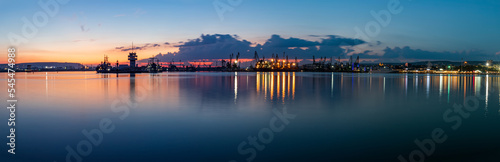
[(132, 57), (153, 65), (275, 64)]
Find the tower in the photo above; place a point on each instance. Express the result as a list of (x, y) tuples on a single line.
[(132, 57)]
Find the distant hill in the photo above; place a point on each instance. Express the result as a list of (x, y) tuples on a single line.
[(42, 65), (454, 63), (437, 63), (451, 63)]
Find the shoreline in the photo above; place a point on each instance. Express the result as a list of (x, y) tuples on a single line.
[(265, 72)]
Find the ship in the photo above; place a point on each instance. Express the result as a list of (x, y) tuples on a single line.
[(105, 66)]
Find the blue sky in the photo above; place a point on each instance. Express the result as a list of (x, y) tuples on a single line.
[(96, 27)]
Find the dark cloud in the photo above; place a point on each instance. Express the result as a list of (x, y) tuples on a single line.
[(212, 47), (277, 41), (398, 54), (166, 43), (132, 49), (334, 40), (220, 46), (143, 47), (208, 39)]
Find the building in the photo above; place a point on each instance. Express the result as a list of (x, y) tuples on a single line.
[(132, 57)]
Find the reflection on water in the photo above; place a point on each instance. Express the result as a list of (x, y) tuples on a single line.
[(271, 86), (235, 86), (204, 116), (276, 80)]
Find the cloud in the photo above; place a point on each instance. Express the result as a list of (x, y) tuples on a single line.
[(132, 49), (143, 47), (498, 53), (277, 41), (220, 46), (315, 36), (334, 40), (398, 54), (84, 29), (212, 47)]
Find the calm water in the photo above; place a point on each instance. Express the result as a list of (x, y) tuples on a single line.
[(207, 116)]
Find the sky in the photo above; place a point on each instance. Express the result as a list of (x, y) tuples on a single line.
[(84, 31)]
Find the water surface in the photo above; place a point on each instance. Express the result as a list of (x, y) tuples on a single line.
[(207, 116)]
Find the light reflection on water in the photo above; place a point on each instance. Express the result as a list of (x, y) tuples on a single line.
[(204, 116), (282, 82)]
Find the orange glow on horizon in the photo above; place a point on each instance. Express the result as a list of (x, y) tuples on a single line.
[(81, 53), (201, 63)]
